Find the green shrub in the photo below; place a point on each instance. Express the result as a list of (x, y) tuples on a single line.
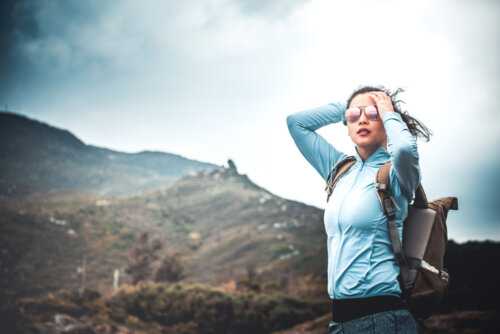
[(211, 311)]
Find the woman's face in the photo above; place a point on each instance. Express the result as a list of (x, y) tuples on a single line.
[(366, 134)]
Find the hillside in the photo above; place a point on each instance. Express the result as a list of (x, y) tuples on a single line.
[(37, 155), (219, 220), (237, 224)]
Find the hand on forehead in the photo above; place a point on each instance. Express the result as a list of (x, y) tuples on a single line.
[(370, 98)]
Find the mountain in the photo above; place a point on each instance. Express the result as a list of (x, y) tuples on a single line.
[(221, 222), (230, 224), (58, 211), (37, 155)]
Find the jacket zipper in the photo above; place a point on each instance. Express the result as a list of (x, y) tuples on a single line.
[(341, 232)]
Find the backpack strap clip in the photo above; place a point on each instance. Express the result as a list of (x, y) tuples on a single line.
[(385, 188), (338, 170)]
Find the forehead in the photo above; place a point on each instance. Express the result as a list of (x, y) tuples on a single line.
[(361, 100)]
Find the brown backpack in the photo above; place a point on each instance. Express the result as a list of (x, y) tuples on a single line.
[(423, 279)]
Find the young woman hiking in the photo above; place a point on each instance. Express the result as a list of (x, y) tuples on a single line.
[(362, 268)]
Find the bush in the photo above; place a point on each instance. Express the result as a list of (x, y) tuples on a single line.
[(142, 257), (170, 269), (211, 311)]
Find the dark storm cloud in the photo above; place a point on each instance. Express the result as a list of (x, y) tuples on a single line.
[(96, 50), (50, 41), (7, 25), (82, 44), (29, 31)]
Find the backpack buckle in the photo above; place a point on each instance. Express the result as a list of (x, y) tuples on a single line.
[(443, 274), (328, 189)]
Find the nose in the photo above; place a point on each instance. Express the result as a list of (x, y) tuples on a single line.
[(362, 117)]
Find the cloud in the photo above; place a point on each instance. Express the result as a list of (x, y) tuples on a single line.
[(150, 48)]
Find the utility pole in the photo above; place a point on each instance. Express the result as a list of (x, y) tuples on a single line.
[(116, 279)]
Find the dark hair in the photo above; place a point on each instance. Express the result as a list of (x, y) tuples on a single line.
[(417, 128)]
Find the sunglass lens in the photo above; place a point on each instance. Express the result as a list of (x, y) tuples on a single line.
[(352, 114), (371, 113)]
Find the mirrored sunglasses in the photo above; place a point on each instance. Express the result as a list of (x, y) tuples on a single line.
[(354, 113)]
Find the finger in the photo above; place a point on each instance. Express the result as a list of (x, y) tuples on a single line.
[(377, 99), (374, 96), (383, 97), (387, 98)]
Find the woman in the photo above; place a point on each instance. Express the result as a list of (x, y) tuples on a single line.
[(362, 268)]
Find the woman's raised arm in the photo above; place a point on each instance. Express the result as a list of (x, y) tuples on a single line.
[(404, 154), (302, 126)]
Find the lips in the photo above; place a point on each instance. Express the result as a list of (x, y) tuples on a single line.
[(363, 132)]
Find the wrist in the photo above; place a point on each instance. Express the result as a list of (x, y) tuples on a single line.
[(382, 112)]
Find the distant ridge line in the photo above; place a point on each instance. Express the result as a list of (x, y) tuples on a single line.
[(38, 154)]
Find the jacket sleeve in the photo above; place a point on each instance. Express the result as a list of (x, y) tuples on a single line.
[(317, 151), (404, 154)]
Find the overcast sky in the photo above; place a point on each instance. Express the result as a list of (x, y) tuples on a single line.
[(215, 79)]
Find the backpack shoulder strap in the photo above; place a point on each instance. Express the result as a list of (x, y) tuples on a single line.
[(338, 170), (382, 180), (383, 189)]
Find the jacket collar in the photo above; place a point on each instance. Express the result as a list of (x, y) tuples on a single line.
[(379, 157)]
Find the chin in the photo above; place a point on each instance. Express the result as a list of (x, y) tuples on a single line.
[(365, 143), (368, 144)]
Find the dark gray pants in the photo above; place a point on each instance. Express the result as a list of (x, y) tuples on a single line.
[(398, 321)]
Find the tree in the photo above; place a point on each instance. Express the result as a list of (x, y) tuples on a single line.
[(142, 257), (171, 268), (251, 269)]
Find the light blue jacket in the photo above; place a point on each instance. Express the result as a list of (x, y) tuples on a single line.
[(361, 262)]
